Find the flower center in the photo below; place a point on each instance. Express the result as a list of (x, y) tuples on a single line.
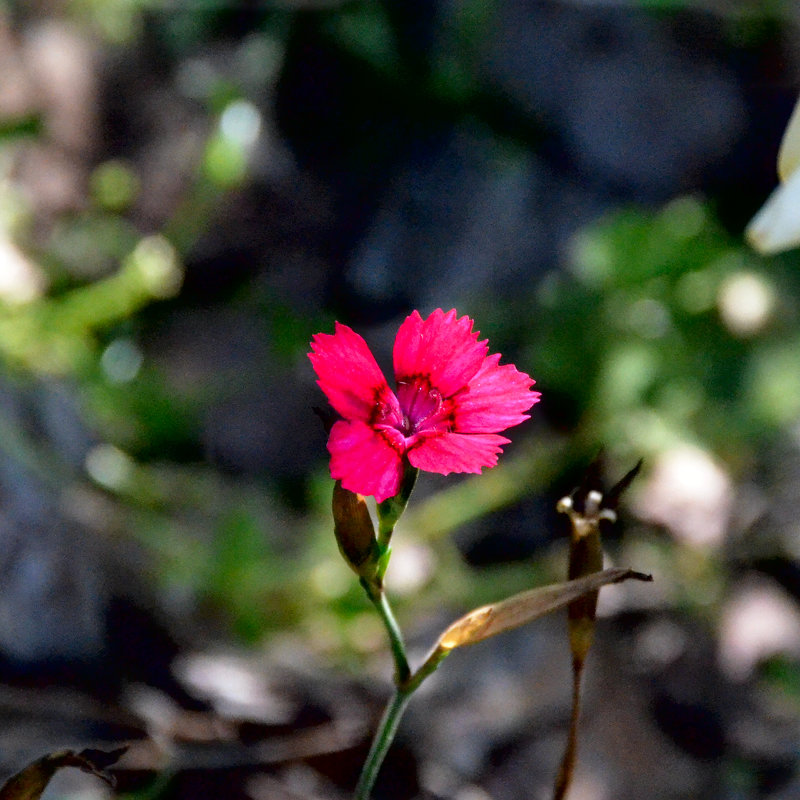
[(416, 408), (422, 406)]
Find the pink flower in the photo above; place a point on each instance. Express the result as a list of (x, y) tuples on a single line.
[(451, 402)]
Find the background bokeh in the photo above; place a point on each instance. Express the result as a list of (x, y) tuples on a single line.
[(190, 190)]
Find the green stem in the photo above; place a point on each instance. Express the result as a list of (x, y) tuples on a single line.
[(391, 509), (427, 669), (385, 531), (402, 671), (381, 744)]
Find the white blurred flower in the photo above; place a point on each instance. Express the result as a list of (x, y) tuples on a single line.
[(759, 620), (690, 494), (20, 279), (776, 227), (745, 302)]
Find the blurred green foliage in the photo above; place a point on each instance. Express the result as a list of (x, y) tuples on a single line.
[(664, 328)]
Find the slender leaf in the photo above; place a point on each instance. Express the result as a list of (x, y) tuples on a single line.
[(527, 606)]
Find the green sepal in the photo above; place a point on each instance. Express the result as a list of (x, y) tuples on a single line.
[(391, 509)]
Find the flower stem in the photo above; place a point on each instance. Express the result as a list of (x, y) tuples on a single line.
[(391, 509), (381, 743), (402, 671)]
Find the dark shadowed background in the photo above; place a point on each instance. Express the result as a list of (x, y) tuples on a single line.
[(190, 190)]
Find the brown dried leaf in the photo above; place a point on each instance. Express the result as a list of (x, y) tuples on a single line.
[(29, 783), (527, 606)]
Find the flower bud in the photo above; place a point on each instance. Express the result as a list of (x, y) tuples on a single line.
[(354, 531), (587, 507)]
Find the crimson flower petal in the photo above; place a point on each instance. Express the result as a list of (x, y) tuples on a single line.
[(452, 402), (364, 459), (456, 452), (348, 374), (496, 399), (441, 348)]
